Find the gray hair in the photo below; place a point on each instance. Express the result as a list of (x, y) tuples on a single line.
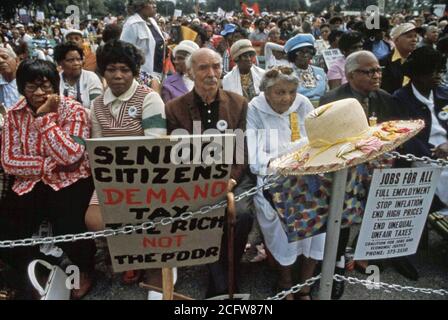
[(189, 60), (271, 78), (9, 51), (352, 62)]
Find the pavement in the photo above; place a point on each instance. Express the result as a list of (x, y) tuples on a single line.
[(259, 279)]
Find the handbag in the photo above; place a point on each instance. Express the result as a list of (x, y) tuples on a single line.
[(55, 286)]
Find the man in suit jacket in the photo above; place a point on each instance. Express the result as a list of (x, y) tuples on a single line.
[(209, 107), (363, 74)]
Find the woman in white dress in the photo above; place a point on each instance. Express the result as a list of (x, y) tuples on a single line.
[(275, 124)]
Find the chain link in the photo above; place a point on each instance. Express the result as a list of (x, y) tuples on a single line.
[(282, 295), (270, 181), (387, 287), (413, 158)]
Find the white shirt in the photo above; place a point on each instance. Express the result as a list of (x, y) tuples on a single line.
[(438, 133), (188, 82), (90, 86)]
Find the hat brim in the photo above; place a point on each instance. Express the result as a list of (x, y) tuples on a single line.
[(243, 51), (308, 160), (299, 46)]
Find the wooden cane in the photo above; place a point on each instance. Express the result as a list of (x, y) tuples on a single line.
[(231, 216), (167, 283)]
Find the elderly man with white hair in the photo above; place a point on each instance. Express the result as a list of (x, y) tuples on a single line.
[(245, 77), (9, 94), (209, 107), (364, 76)]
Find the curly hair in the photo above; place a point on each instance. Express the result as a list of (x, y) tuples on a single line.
[(117, 51), (61, 50)]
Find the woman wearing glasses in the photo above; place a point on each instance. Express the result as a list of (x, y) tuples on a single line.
[(312, 80), (42, 147), (275, 124)]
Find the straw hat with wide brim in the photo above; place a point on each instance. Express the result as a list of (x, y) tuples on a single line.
[(339, 136)]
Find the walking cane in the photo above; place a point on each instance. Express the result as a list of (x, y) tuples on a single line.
[(231, 214)]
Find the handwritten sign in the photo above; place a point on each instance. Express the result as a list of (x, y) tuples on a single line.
[(396, 212), (331, 56), (137, 180)]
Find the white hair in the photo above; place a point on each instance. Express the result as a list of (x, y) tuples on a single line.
[(269, 81), (9, 51), (352, 62), (190, 58)]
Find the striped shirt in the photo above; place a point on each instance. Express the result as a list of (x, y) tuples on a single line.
[(34, 149), (137, 112)]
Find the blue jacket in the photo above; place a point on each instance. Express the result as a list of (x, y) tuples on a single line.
[(420, 145)]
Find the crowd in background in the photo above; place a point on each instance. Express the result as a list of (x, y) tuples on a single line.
[(145, 74)]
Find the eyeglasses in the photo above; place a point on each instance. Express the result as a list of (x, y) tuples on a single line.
[(31, 88), (370, 72), (276, 71)]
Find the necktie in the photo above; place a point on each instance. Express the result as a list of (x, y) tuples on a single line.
[(294, 123)]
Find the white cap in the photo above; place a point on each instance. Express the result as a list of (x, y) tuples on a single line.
[(73, 31), (402, 29), (186, 45)]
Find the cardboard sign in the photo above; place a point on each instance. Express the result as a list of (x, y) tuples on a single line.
[(331, 56), (137, 180), (396, 212), (40, 16)]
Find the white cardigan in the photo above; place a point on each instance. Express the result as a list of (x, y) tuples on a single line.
[(232, 81)]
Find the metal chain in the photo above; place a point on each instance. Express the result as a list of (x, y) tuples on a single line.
[(411, 158), (386, 286), (282, 295), (270, 181)]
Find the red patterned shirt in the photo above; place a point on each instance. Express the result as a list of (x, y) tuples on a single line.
[(35, 149)]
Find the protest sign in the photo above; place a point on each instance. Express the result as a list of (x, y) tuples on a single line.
[(40, 16), (141, 179), (331, 56), (177, 13), (396, 212)]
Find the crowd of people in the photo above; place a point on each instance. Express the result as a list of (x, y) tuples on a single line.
[(148, 75)]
